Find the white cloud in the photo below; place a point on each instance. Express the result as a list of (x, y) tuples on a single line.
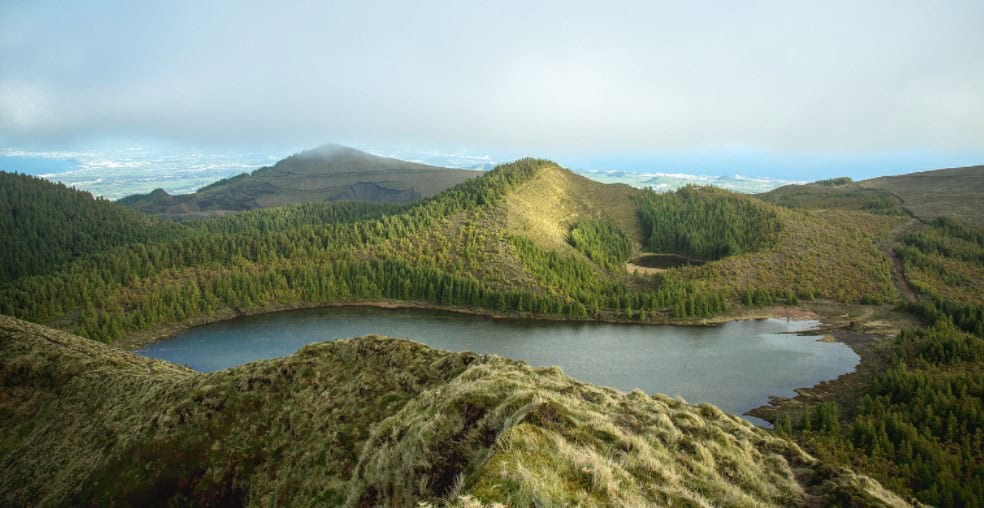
[(24, 107), (833, 76)]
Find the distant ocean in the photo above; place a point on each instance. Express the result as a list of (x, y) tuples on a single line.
[(33, 165)]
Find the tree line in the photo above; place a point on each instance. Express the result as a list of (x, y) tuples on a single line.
[(707, 223)]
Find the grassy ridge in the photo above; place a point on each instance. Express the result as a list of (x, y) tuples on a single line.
[(930, 195), (371, 421), (926, 195), (836, 193), (545, 209)]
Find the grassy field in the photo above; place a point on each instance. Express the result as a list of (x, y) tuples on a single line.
[(928, 195), (372, 421), (831, 254), (842, 196)]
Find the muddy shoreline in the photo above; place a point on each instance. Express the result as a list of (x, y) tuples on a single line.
[(869, 335)]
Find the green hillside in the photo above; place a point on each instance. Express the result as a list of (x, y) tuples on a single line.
[(917, 422), (47, 226), (372, 421), (914, 418), (327, 173), (44, 225), (501, 243)]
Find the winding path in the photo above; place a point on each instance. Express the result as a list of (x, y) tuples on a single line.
[(900, 281), (898, 268)]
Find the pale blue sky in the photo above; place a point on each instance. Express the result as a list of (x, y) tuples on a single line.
[(788, 89)]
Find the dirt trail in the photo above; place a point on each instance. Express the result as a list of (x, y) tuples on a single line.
[(643, 270), (898, 268), (900, 282)]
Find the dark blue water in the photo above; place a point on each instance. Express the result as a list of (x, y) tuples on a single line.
[(36, 165), (735, 366)]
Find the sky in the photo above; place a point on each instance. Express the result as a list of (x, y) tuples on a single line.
[(796, 90)]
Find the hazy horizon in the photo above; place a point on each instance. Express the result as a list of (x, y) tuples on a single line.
[(116, 171)]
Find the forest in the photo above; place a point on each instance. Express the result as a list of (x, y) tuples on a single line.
[(317, 254), (137, 285), (313, 254), (44, 225), (602, 242), (325, 253), (707, 223), (919, 426)]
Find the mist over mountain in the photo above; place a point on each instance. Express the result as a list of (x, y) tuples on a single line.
[(327, 173), (117, 172)]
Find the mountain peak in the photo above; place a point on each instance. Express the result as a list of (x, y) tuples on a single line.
[(330, 172)]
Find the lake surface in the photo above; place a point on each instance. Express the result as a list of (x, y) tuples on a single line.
[(735, 366)]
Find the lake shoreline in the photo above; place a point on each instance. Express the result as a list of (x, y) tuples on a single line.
[(141, 339), (868, 334), (835, 324), (736, 366)]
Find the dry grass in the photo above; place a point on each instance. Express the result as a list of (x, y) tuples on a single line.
[(371, 421), (547, 207), (835, 254), (946, 192)]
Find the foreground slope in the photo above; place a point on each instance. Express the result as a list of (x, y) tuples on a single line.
[(327, 173), (371, 421)]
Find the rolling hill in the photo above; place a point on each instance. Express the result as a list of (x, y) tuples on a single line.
[(373, 421), (926, 195), (954, 193), (327, 173), (500, 243)]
